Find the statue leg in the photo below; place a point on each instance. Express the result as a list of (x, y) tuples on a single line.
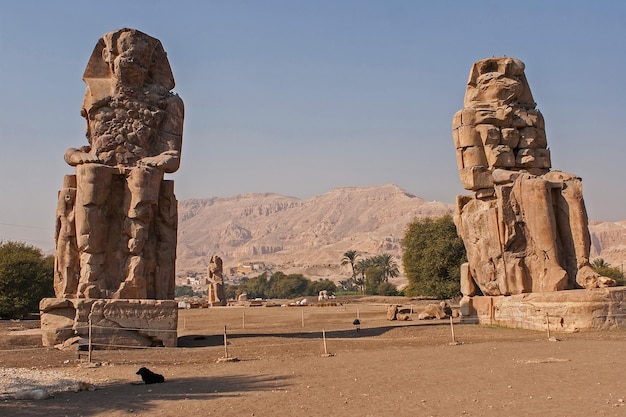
[(166, 227), (573, 221), (93, 188), (143, 191), (547, 273), (142, 195)]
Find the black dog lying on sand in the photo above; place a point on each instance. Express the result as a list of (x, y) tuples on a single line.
[(150, 377)]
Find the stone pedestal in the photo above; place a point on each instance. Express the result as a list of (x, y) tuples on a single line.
[(115, 323), (567, 311)]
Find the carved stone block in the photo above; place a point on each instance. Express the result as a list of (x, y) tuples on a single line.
[(475, 178), (114, 323)]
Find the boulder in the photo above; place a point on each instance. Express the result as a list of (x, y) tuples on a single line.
[(392, 312)]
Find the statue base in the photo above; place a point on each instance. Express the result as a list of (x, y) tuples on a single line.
[(566, 311), (111, 324)]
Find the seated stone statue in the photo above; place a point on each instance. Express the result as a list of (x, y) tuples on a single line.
[(525, 228), (117, 217)]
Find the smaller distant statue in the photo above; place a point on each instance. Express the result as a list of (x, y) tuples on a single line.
[(217, 293)]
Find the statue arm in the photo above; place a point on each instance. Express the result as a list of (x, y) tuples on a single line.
[(167, 161), (79, 156), (171, 138)]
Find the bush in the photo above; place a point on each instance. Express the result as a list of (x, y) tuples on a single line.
[(281, 285), (183, 291), (432, 258), (606, 270), (315, 287), (26, 276), (387, 288)]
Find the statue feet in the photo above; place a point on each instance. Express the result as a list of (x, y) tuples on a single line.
[(587, 278), (128, 289), (89, 291), (555, 279)]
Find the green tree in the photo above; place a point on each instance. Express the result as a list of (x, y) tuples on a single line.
[(287, 286), (375, 281), (349, 285), (231, 291), (315, 287), (26, 276), (387, 266), (280, 285), (350, 258), (432, 257), (183, 291), (373, 278), (256, 286), (360, 269), (605, 269)]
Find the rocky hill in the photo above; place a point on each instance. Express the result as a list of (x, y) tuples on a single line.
[(608, 241), (290, 234), (310, 236)]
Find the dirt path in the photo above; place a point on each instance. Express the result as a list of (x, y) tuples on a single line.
[(387, 369)]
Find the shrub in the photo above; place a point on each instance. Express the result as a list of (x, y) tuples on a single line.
[(26, 276)]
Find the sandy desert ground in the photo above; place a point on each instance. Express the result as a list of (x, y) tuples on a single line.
[(389, 368)]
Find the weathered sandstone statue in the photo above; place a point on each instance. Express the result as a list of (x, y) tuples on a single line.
[(117, 217), (217, 293), (525, 227)]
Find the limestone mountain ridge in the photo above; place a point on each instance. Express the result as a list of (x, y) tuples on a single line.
[(309, 236), (292, 234)]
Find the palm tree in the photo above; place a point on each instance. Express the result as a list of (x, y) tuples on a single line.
[(350, 257), (387, 266), (359, 269), (599, 263)]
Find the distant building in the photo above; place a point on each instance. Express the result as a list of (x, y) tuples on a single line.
[(245, 269), (195, 281)]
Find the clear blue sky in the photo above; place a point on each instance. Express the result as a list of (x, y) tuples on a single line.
[(300, 97)]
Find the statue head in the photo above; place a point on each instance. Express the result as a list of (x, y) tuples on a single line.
[(496, 82), (129, 56), (124, 60)]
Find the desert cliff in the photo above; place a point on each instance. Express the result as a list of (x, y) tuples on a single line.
[(310, 236)]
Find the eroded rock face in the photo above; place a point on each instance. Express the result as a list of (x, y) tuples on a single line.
[(525, 227), (117, 216)]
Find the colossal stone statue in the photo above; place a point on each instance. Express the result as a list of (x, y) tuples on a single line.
[(117, 217), (216, 293), (525, 228)]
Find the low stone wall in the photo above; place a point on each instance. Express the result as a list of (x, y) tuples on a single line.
[(114, 323), (567, 311)]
